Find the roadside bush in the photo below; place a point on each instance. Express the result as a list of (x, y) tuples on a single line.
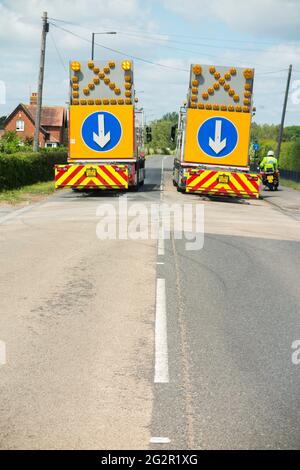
[(290, 155), (265, 146), (166, 151), (10, 143), (21, 169)]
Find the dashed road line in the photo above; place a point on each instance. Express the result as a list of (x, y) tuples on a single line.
[(161, 243), (161, 373), (160, 440)]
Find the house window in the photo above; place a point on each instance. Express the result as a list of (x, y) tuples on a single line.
[(20, 125)]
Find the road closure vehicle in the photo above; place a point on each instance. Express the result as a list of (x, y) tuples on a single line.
[(213, 133), (106, 131)]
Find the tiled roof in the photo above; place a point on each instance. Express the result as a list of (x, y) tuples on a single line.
[(51, 115)]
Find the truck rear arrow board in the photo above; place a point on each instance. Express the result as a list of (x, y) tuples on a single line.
[(101, 138), (101, 131), (210, 133), (217, 145)]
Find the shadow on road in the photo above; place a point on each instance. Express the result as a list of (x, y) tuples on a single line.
[(94, 194), (150, 187), (228, 199)]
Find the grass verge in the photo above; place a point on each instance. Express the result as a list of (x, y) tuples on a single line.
[(27, 194), (290, 184)]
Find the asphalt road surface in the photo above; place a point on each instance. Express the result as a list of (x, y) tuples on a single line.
[(141, 343)]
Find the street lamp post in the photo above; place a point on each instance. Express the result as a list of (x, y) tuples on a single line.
[(93, 40)]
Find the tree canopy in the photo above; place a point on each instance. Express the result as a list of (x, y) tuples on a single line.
[(2, 120), (161, 131)]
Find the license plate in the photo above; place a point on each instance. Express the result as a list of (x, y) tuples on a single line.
[(91, 172), (270, 179), (224, 179)]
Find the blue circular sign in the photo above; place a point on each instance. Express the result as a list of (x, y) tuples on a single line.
[(217, 137), (101, 131)]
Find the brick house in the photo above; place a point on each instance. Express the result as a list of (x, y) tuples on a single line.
[(53, 123)]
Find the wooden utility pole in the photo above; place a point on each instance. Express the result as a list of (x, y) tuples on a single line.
[(280, 134), (45, 30)]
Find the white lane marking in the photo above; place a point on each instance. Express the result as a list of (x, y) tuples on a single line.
[(160, 262), (161, 340), (160, 440), (14, 214), (161, 234), (2, 353), (162, 176), (161, 242)]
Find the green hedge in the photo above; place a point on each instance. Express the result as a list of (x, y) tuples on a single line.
[(290, 155), (21, 169)]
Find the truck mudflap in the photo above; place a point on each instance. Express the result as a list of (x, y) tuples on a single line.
[(104, 176), (223, 183)]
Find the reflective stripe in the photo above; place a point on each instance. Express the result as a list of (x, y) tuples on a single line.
[(208, 182), (106, 176)]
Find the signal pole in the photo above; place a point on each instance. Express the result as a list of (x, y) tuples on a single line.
[(45, 30), (280, 134)]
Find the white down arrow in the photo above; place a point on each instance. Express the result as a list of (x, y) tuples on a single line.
[(217, 145), (101, 138)]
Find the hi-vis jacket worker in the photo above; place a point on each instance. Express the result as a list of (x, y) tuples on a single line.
[(269, 163)]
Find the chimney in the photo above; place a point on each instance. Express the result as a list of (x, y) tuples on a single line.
[(33, 99)]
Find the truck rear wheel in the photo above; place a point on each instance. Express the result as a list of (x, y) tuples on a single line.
[(180, 190)]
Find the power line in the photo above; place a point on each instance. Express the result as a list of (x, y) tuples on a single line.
[(177, 35), (120, 52), (191, 43), (58, 53), (201, 53), (268, 73), (64, 21), (207, 38), (146, 60), (160, 38)]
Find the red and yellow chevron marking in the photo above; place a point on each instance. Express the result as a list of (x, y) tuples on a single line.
[(91, 176), (245, 185)]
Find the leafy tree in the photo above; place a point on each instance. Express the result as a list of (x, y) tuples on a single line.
[(270, 131), (173, 117), (2, 120), (264, 131), (10, 142), (291, 133), (290, 155), (161, 131), (28, 141)]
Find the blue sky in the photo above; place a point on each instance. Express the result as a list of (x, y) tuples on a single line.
[(264, 34)]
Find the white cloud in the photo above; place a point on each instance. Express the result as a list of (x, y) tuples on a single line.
[(20, 32), (279, 18), (164, 89)]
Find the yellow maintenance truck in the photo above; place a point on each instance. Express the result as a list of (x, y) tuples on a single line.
[(106, 131), (213, 134)]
